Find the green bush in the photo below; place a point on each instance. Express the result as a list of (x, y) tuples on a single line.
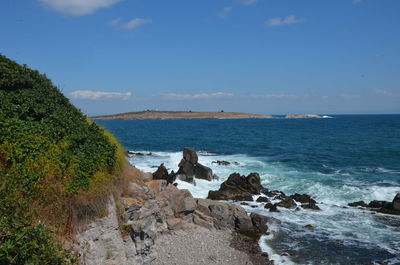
[(49, 153)]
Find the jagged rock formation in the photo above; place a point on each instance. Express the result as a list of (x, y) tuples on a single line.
[(164, 208), (392, 207), (102, 243), (162, 173), (189, 168), (239, 188)]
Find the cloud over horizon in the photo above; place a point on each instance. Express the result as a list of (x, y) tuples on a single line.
[(77, 7), (131, 24), (224, 12), (197, 96), (248, 2), (278, 21), (94, 95)]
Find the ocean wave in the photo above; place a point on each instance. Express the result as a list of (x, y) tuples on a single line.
[(333, 224)]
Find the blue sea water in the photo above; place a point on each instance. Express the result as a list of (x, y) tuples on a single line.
[(336, 160)]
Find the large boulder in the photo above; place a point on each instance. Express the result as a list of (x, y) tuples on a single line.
[(180, 201), (306, 201), (239, 188), (162, 173), (189, 168), (222, 215)]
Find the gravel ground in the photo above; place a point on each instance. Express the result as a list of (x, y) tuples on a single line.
[(200, 246)]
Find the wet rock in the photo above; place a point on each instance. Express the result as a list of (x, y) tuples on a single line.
[(311, 206), (274, 208), (268, 205), (162, 173), (259, 222), (358, 204), (276, 194), (287, 203), (239, 188), (376, 204), (262, 199), (221, 163), (396, 202), (139, 153), (386, 207), (309, 227), (189, 168)]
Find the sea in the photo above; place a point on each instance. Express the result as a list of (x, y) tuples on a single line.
[(337, 160)]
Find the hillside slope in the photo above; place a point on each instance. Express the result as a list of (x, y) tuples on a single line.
[(55, 166)]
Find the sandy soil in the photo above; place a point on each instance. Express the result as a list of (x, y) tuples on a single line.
[(200, 246)]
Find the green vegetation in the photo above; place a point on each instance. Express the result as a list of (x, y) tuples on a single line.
[(55, 165)]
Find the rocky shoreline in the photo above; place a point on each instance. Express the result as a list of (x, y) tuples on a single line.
[(155, 222), (155, 212)]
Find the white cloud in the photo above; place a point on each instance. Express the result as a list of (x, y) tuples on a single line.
[(276, 96), (224, 12), (382, 92), (230, 95), (248, 2), (135, 23), (77, 7), (115, 22), (88, 94), (198, 96), (274, 22), (348, 96)]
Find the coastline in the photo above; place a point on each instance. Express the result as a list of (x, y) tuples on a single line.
[(175, 115), (166, 225)]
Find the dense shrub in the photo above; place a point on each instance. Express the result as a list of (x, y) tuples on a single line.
[(49, 154)]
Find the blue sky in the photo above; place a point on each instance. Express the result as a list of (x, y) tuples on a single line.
[(261, 56)]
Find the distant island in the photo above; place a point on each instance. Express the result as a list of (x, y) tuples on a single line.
[(170, 115), (304, 116), (176, 115)]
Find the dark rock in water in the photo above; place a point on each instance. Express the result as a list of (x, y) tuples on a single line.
[(287, 203), (162, 173), (274, 208), (189, 168), (190, 156), (311, 206), (276, 194), (382, 206), (262, 199), (302, 198), (309, 227), (239, 188), (396, 202), (357, 204), (221, 163), (268, 205), (306, 201), (244, 203), (140, 154), (376, 204), (259, 222)]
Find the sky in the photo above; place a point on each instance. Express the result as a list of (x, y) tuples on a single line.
[(258, 56)]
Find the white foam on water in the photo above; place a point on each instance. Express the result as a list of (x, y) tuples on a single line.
[(278, 259), (334, 221)]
